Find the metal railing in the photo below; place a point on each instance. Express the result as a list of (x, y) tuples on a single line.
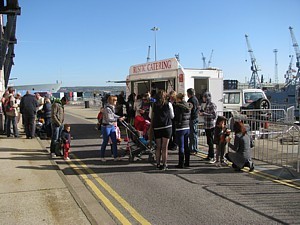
[(275, 132)]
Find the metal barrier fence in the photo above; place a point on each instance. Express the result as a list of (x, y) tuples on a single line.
[(276, 136)]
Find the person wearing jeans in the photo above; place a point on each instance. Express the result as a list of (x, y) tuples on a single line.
[(57, 119), (193, 145), (109, 131), (55, 138), (108, 128), (182, 111)]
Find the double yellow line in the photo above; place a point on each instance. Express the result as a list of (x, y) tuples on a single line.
[(275, 179), (102, 197)]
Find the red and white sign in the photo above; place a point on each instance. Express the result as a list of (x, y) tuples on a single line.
[(167, 64)]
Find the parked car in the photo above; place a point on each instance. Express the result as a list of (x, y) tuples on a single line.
[(246, 103)]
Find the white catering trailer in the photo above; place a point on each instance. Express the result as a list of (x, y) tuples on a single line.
[(169, 75)]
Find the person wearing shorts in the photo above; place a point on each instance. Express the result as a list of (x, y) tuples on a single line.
[(162, 114)]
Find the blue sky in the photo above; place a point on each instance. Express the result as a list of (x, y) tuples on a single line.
[(86, 43)]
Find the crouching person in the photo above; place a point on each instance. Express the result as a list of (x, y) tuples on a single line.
[(242, 156)]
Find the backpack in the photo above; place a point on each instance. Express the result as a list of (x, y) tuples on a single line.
[(7, 107), (99, 117)]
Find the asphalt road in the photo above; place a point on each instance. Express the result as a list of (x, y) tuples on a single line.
[(201, 194)]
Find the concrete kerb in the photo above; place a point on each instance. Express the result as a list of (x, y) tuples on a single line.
[(86, 202), (70, 188)]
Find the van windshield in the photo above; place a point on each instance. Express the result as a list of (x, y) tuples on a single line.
[(252, 96)]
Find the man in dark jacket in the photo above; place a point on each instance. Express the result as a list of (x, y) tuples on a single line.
[(47, 116), (193, 145), (28, 108), (120, 103)]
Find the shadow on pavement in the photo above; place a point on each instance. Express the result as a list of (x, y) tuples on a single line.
[(84, 131), (41, 167)]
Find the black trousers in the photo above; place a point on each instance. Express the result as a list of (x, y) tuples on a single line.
[(29, 124), (210, 141)]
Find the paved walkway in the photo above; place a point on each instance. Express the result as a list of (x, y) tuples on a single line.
[(34, 191)]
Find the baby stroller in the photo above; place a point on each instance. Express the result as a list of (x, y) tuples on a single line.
[(137, 144), (40, 129)]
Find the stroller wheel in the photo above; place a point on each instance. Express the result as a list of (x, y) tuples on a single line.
[(151, 158), (131, 158)]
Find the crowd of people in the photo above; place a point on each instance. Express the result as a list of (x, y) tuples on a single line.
[(172, 123), (35, 109), (165, 118)]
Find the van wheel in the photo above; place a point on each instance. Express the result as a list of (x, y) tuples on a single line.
[(262, 103)]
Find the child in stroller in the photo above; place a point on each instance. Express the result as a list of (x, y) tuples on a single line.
[(142, 125)]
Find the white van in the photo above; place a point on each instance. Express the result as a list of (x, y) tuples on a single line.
[(238, 99), (169, 74)]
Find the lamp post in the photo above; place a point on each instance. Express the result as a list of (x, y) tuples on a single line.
[(155, 29)]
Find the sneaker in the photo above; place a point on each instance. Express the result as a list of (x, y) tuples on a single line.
[(66, 158), (212, 161), (195, 152), (251, 167), (103, 159), (117, 159), (158, 167), (165, 167), (53, 155)]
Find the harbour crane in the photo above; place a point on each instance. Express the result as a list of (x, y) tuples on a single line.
[(254, 80), (297, 77), (209, 61), (203, 59), (289, 73), (289, 95), (297, 51)]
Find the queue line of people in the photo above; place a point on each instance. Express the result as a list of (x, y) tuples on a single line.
[(172, 118)]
